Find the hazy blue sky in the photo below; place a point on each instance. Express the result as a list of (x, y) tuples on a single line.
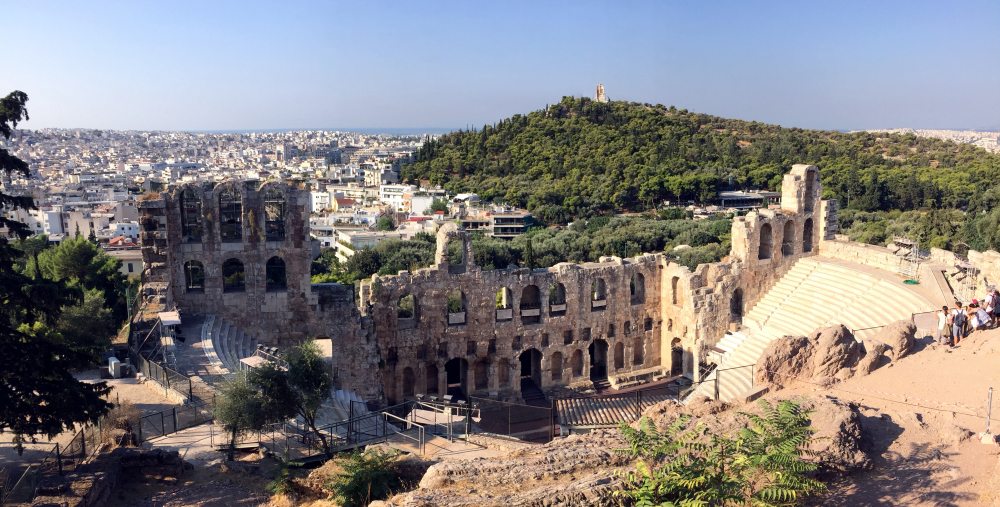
[(248, 64)]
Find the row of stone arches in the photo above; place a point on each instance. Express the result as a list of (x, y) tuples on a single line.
[(765, 249), (234, 275), (230, 213), (455, 379), (529, 304)]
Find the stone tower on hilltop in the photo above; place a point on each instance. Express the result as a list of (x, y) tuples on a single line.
[(600, 96)]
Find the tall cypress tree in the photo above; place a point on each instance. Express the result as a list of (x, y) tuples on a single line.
[(38, 393)]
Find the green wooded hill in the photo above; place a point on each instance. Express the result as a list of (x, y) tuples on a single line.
[(580, 158)]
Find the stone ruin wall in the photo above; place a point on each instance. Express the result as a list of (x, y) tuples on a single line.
[(491, 340), (381, 356), (275, 317)]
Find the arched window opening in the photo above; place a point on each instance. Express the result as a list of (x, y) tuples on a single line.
[(230, 216), (557, 299), (638, 354), (598, 295), (505, 309), (275, 274), (531, 305), (637, 289), (788, 239), (557, 366), (408, 382), (456, 308), (807, 235), (194, 276), (432, 379), (406, 307), (233, 277), (274, 215), (191, 216), (627, 327), (675, 293), (647, 324), (619, 355), (577, 363), (766, 242)]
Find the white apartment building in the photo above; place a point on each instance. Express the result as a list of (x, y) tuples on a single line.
[(395, 195)]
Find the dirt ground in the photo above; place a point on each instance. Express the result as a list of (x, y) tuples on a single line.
[(924, 414), (145, 398), (209, 485)]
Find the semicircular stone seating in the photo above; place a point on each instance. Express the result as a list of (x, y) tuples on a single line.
[(225, 344), (816, 292)]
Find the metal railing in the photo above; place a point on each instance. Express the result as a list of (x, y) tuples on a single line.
[(60, 460), (172, 420), (166, 377)]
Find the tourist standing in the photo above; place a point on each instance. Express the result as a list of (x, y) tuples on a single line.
[(958, 320), (944, 326)]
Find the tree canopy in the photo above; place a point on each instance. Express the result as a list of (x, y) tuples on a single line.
[(579, 158)]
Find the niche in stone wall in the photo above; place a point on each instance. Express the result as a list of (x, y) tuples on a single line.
[(766, 242), (807, 235), (788, 239), (637, 289)]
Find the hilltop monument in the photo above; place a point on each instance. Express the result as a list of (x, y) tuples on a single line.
[(599, 95)]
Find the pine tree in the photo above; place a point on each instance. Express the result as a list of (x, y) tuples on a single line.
[(38, 395)]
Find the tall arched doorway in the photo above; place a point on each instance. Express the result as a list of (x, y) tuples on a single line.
[(676, 357), (531, 369), (598, 360), (457, 373), (736, 306)]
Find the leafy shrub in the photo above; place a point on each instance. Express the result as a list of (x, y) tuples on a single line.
[(366, 476), (762, 465)]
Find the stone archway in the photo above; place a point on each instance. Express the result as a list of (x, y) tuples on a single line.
[(457, 377), (531, 369), (736, 306), (598, 360), (676, 357)]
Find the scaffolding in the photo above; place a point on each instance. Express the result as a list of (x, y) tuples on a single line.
[(967, 280), (909, 251)]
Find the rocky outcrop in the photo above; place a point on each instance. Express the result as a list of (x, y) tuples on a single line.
[(899, 336), (785, 359), (837, 443), (835, 350), (573, 471), (874, 357), (827, 354)]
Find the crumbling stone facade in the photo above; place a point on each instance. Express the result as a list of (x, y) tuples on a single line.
[(241, 250), (455, 326)]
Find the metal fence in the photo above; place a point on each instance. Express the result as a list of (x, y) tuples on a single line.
[(167, 378), (524, 422), (20, 486), (172, 420)]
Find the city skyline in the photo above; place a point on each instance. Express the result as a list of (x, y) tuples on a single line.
[(441, 66)]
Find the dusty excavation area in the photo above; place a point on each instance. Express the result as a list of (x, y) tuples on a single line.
[(907, 433)]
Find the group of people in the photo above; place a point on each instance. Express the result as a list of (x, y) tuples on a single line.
[(959, 322)]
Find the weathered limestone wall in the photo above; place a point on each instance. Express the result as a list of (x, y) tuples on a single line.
[(486, 344), (560, 326), (868, 255), (283, 315)]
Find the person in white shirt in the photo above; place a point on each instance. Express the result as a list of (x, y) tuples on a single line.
[(944, 326)]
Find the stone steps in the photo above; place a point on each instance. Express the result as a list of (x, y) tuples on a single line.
[(815, 293)]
